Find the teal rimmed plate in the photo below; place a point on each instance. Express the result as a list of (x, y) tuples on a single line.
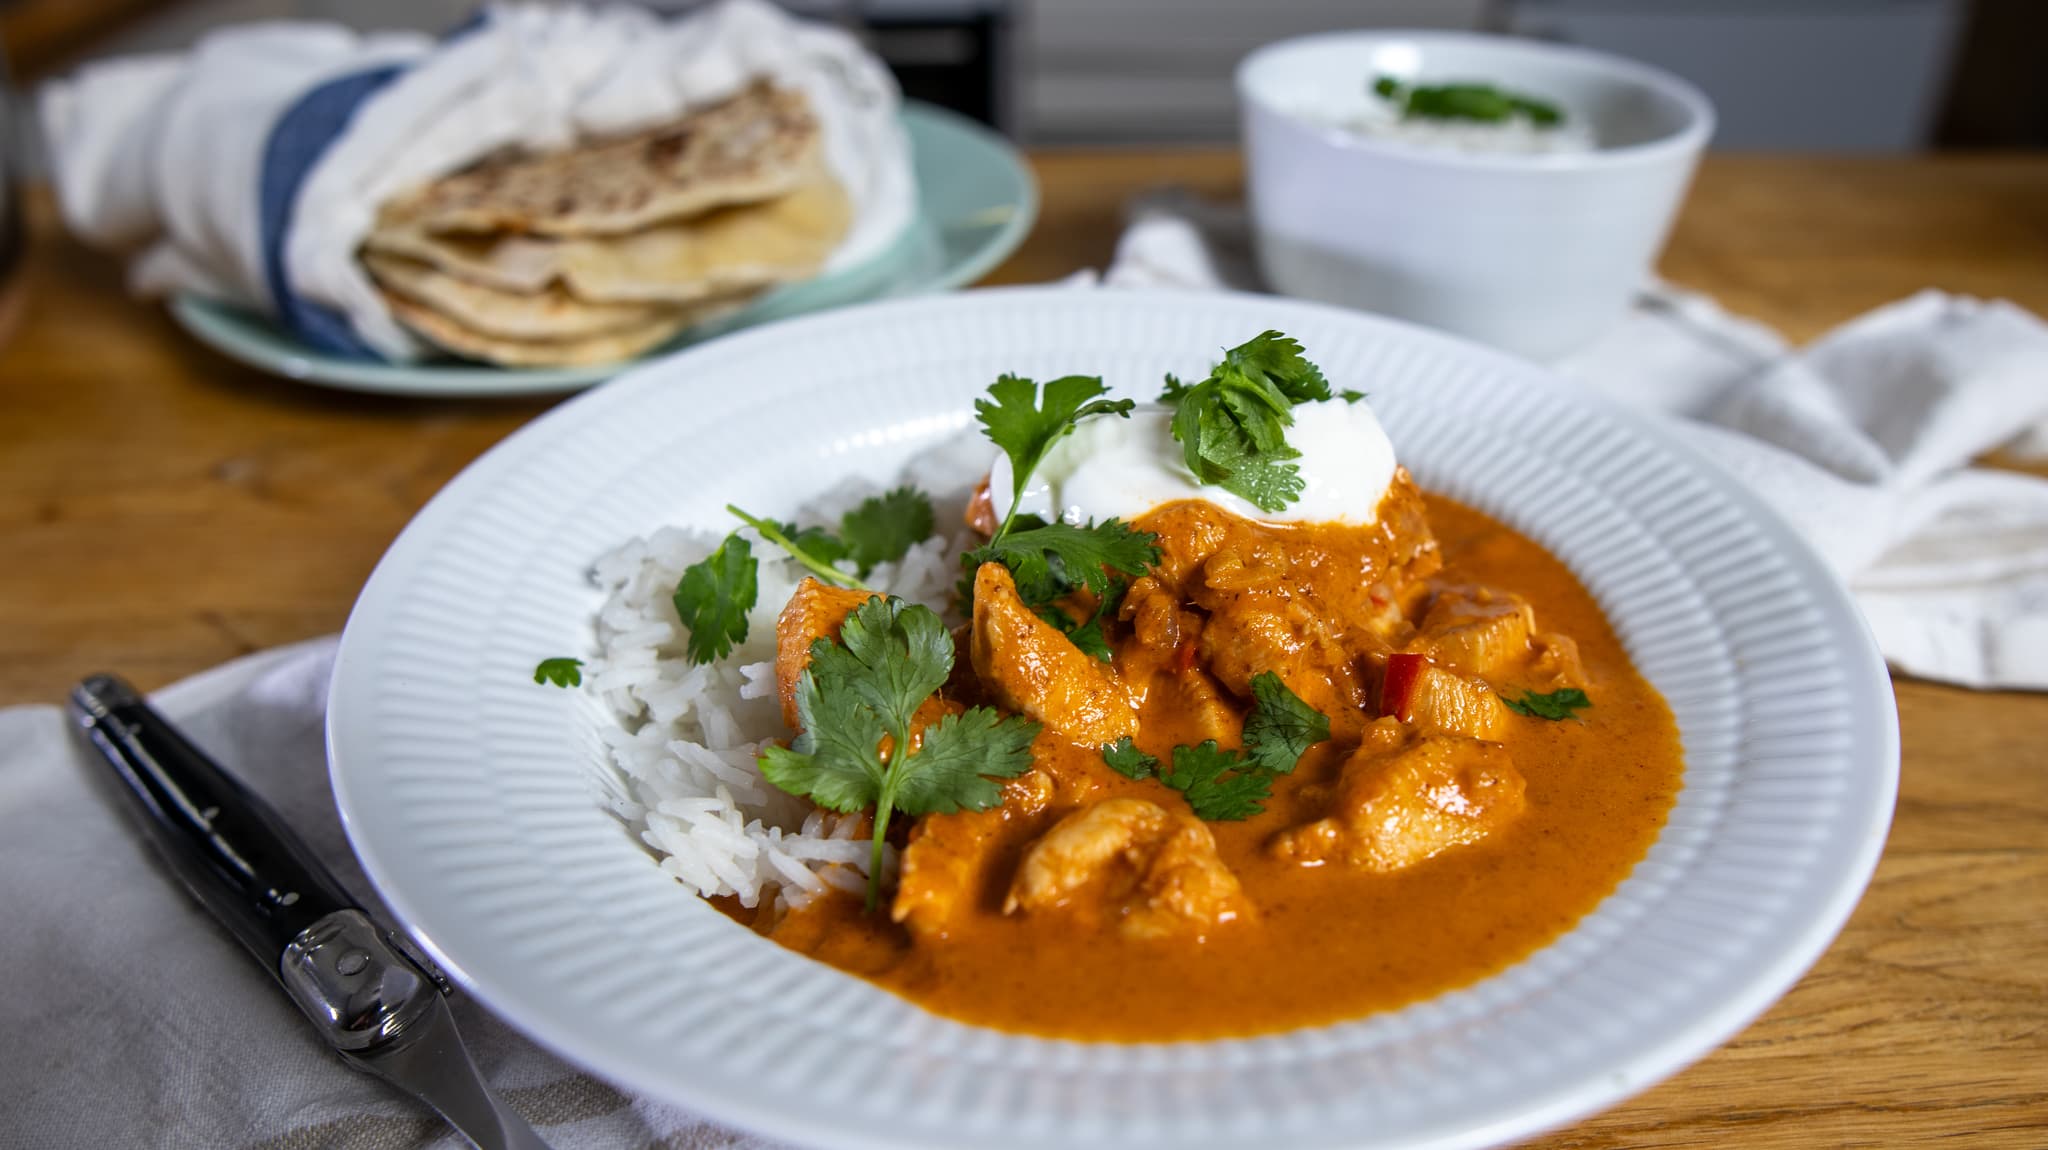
[(976, 202)]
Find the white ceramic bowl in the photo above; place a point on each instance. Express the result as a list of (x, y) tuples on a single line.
[(1533, 253), (473, 796)]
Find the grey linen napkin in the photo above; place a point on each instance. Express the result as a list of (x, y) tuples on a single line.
[(131, 1018)]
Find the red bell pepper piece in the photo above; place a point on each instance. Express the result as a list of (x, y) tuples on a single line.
[(1397, 686)]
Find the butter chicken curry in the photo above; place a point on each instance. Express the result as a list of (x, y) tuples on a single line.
[(1294, 772)]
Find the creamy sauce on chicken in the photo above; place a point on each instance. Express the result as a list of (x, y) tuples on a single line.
[(1435, 838)]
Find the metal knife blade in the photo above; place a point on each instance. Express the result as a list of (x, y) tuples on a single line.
[(372, 997)]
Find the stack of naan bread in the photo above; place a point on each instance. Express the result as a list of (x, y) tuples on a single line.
[(603, 251)]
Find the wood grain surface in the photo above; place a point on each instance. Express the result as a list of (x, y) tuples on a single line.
[(163, 509)]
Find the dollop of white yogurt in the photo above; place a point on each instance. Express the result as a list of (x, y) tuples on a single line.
[(1126, 467)]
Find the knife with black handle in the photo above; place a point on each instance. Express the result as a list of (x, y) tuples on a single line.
[(371, 996)]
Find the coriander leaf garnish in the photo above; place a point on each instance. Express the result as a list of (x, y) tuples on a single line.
[(1225, 785), (1052, 559), (1086, 633), (714, 596), (813, 541), (1277, 361), (885, 526), (867, 687), (1350, 396), (1479, 102), (775, 533), (1554, 705), (1232, 426), (1124, 757), (1090, 640), (959, 759), (880, 530), (1281, 728), (1220, 785), (1025, 428), (561, 672), (1265, 479)]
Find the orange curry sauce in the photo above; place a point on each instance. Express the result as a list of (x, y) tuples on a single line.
[(1322, 942)]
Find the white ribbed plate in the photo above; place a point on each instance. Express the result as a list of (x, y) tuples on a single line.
[(467, 790)]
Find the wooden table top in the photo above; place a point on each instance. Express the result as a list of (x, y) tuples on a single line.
[(163, 509)]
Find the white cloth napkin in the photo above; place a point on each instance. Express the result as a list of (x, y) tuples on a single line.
[(133, 1019), (1864, 439), (250, 168)]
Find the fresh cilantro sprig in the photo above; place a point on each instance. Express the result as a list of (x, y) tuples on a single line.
[(816, 542), (880, 530), (1281, 727), (780, 534), (884, 527), (1124, 757), (1483, 103), (562, 672), (1220, 785), (1554, 705), (1225, 786), (714, 596), (864, 688), (1087, 633), (1232, 426), (1025, 425), (1051, 560)]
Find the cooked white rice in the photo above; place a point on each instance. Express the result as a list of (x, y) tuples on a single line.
[(688, 736)]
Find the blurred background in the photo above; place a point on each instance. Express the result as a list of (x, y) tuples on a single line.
[(1792, 75)]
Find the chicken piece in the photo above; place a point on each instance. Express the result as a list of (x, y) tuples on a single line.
[(949, 859), (1190, 708), (817, 611), (1447, 701), (956, 863), (1557, 662), (1153, 871), (1155, 615), (1492, 634), (814, 612), (1248, 635), (1030, 667), (1476, 631), (1402, 799), (1189, 532)]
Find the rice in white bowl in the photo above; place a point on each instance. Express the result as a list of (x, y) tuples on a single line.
[(687, 736)]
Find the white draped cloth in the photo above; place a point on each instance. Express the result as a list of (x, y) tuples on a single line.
[(167, 154)]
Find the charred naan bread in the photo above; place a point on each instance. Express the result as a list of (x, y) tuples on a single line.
[(758, 145), (603, 347), (733, 249), (549, 314), (602, 251)]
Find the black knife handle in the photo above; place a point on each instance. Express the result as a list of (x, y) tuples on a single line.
[(230, 847)]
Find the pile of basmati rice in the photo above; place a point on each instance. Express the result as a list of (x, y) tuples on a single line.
[(688, 736)]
